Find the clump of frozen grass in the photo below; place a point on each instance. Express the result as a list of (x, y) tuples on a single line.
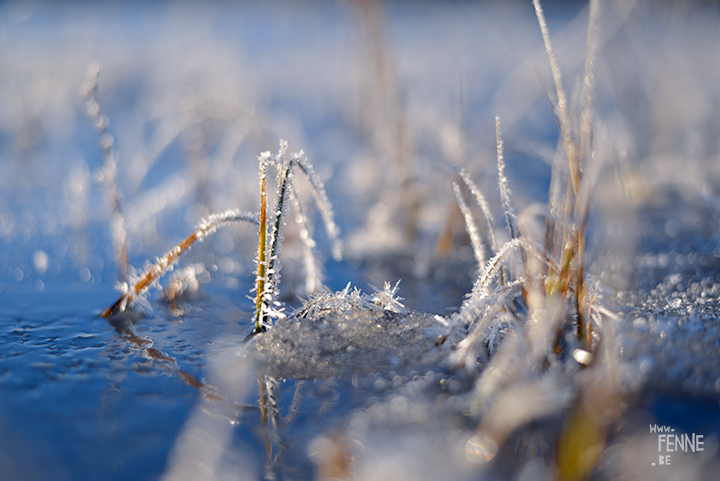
[(554, 266), (568, 213), (541, 324), (270, 237)]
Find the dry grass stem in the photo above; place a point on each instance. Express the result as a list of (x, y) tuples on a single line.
[(268, 274), (562, 105), (262, 243), (163, 264)]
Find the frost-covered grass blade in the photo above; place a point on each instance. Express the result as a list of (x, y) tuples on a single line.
[(268, 266), (160, 268)]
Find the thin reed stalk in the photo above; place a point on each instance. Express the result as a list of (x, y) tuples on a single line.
[(585, 147), (268, 275), (109, 170), (268, 268), (284, 182), (276, 237), (384, 116), (505, 195)]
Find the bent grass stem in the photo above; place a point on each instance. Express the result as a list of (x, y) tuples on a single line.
[(163, 264)]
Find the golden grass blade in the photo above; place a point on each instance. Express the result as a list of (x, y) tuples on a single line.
[(262, 243)]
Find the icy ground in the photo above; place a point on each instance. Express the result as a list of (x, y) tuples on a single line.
[(670, 326)]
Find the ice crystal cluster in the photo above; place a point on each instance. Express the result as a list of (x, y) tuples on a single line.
[(349, 332)]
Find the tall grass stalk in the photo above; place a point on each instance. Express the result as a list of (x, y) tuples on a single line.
[(262, 243), (108, 174), (567, 235), (586, 148), (561, 107), (276, 237), (384, 116)]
